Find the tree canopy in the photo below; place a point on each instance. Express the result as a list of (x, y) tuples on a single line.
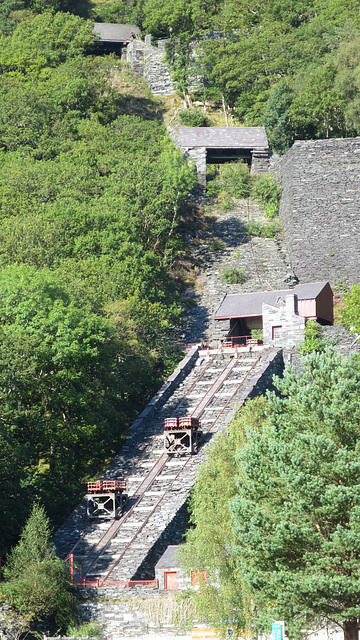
[(92, 198), (290, 66), (292, 532)]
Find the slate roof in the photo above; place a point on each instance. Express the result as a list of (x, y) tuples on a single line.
[(244, 305), (223, 137), (107, 32), (168, 558)]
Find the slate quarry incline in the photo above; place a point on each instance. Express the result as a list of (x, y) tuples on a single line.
[(158, 483)]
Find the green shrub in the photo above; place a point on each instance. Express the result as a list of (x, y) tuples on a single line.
[(216, 245), (271, 210), (313, 341), (233, 275), (235, 179), (213, 188), (192, 118), (266, 191), (225, 201), (261, 230), (85, 630), (257, 334)]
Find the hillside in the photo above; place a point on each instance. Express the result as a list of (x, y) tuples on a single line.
[(93, 195)]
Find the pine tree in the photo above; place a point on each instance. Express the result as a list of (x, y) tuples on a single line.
[(296, 514), (37, 580)]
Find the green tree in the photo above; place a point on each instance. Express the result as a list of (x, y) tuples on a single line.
[(296, 513), (224, 598), (62, 394), (276, 506), (44, 41), (347, 80), (276, 117), (317, 111), (351, 313), (37, 582)]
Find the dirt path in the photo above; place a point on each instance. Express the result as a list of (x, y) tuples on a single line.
[(264, 260)]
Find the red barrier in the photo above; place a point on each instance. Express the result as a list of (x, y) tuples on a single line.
[(125, 584)]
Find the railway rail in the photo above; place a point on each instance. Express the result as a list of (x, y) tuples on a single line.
[(113, 551)]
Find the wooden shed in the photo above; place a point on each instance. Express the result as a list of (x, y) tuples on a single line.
[(240, 314)]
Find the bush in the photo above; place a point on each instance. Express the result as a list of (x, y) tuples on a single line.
[(313, 341), (192, 118), (235, 179), (267, 191), (233, 275), (85, 630), (257, 334), (213, 188), (260, 230), (225, 201), (216, 245)]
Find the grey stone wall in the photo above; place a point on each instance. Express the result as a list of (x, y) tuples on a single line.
[(157, 75), (220, 331), (320, 209), (147, 62), (292, 325), (260, 161)]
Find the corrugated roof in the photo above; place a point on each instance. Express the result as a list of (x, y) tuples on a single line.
[(168, 558), (108, 32), (223, 137), (244, 305)]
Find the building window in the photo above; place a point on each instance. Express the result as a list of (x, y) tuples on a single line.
[(277, 332)]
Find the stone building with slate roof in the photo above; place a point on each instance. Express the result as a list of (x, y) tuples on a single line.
[(168, 572), (280, 314), (216, 145), (113, 38)]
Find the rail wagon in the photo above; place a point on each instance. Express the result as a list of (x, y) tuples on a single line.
[(182, 435), (106, 498)]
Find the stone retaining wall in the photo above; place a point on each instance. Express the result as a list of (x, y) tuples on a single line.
[(320, 209)]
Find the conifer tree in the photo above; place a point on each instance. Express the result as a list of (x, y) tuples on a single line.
[(296, 514), (38, 582)]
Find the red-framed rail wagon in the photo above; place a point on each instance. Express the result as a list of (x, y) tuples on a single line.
[(106, 498), (182, 435)]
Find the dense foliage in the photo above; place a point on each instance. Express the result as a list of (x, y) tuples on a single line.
[(91, 198), (289, 65), (351, 312), (223, 599), (287, 538)]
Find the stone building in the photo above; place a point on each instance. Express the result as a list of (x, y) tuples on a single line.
[(216, 145), (320, 209), (281, 315), (168, 572), (114, 38)]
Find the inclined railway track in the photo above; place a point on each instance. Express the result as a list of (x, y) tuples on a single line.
[(105, 554)]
